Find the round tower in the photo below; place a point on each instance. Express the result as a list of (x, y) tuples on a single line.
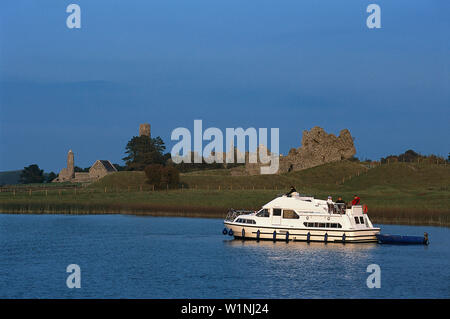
[(70, 164)]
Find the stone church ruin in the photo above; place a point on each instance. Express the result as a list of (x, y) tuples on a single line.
[(98, 170)]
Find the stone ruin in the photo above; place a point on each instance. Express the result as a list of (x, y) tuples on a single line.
[(99, 169), (144, 130), (318, 147), (67, 173)]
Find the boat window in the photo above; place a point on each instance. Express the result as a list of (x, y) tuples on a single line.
[(361, 219), (263, 213), (276, 212), (245, 221), (356, 219), (290, 214), (328, 225)]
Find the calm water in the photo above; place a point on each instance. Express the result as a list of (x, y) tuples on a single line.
[(155, 257)]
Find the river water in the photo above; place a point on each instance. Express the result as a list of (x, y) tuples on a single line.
[(164, 257)]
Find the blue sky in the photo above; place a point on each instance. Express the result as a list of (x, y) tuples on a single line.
[(248, 63)]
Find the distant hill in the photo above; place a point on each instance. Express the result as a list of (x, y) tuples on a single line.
[(10, 177)]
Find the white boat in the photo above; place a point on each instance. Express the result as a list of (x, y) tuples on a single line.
[(303, 218)]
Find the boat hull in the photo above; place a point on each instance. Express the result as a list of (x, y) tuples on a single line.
[(303, 234)]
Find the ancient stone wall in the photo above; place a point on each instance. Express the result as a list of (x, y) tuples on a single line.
[(97, 170), (82, 177), (318, 147)]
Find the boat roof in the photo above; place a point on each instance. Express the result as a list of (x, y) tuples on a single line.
[(296, 202)]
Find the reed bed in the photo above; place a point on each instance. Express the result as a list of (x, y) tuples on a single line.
[(395, 215), (410, 216)]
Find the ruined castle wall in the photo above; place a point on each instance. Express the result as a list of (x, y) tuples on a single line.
[(318, 147)]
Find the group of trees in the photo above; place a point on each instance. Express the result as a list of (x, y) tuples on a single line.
[(143, 151), (411, 156), (33, 174)]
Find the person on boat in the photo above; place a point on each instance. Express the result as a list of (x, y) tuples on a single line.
[(341, 205), (293, 190), (356, 200), (330, 205)]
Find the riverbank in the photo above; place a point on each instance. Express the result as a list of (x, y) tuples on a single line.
[(395, 209), (400, 193)]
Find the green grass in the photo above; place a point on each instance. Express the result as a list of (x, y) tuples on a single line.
[(321, 177), (395, 193)]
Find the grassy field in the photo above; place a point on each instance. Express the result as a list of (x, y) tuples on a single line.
[(396, 193)]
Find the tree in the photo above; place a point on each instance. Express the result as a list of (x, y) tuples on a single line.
[(119, 167), (170, 176), (153, 173), (162, 176), (143, 151), (32, 174), (409, 156), (50, 177)]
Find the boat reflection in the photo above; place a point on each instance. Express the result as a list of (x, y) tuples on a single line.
[(300, 245)]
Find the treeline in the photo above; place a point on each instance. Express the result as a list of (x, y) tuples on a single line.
[(411, 156)]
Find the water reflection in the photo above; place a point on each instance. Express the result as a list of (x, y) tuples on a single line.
[(302, 269), (298, 245), (190, 258)]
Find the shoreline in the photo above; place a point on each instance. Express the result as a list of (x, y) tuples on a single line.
[(196, 212)]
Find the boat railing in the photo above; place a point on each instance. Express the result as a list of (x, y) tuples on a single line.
[(339, 208), (233, 213)]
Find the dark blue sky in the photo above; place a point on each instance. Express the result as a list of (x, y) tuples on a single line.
[(288, 64)]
